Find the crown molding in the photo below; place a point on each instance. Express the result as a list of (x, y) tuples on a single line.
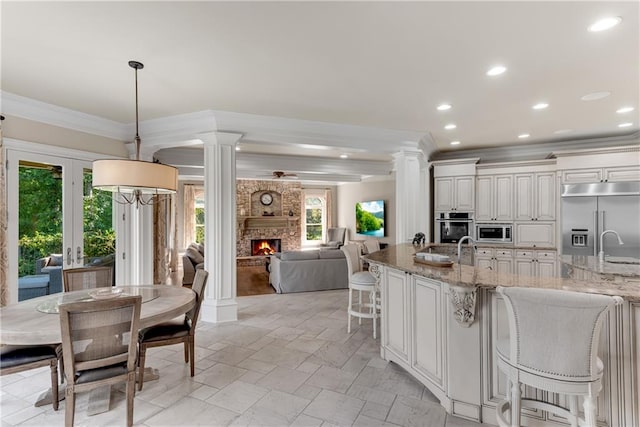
[(538, 151), (591, 151), (30, 109), (286, 131)]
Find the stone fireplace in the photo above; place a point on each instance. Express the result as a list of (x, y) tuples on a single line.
[(260, 247), (278, 218)]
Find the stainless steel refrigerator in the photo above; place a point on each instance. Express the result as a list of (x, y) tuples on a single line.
[(590, 209)]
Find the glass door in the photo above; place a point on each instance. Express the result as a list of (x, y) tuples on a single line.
[(56, 222)]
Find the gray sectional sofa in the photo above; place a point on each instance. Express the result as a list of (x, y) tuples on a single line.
[(303, 271)]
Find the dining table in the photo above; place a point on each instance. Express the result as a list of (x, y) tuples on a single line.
[(36, 322)]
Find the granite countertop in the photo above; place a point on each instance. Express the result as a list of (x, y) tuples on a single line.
[(454, 246), (614, 266), (402, 257)]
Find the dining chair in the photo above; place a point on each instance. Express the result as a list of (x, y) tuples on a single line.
[(552, 346), (77, 279), (361, 281), (99, 347), (14, 359), (182, 330)]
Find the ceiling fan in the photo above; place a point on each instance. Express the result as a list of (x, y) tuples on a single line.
[(281, 174)]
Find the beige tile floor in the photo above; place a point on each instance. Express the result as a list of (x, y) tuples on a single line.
[(287, 361)]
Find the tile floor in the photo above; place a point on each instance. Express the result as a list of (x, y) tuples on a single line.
[(287, 361)]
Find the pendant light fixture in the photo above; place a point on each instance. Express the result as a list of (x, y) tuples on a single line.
[(135, 181)]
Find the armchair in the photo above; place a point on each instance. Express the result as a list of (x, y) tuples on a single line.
[(335, 237), (51, 265)]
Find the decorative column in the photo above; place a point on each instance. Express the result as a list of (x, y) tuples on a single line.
[(220, 303), (411, 195)]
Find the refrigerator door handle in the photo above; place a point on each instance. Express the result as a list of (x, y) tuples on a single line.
[(595, 233)]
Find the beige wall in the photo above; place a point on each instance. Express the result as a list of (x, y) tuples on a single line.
[(350, 194), (28, 130)]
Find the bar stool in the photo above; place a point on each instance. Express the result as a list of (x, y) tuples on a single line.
[(553, 346), (361, 281)]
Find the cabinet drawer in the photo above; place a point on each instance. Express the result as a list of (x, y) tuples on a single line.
[(504, 253), (484, 252), (524, 254), (546, 255)]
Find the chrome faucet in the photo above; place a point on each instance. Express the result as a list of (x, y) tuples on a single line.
[(620, 242), (462, 239)]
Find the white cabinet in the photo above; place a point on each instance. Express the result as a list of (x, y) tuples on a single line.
[(427, 337), (494, 198), (535, 234), (613, 174), (395, 313), (454, 193), (535, 263), (535, 196), (500, 260)]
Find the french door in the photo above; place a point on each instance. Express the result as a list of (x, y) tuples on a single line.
[(53, 210)]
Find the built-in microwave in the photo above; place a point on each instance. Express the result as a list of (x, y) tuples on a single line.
[(498, 233)]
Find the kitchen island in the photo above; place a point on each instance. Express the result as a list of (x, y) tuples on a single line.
[(441, 325)]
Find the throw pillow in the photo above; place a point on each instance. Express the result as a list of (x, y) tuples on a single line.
[(195, 256), (55, 260)]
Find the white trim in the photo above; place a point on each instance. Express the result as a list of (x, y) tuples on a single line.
[(30, 109), (53, 150)]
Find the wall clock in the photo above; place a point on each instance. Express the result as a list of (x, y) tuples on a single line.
[(266, 199)]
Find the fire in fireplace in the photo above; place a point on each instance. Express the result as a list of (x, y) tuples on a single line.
[(265, 246)]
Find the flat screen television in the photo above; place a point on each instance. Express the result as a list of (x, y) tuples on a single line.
[(370, 218)]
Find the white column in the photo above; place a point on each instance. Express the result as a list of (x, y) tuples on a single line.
[(411, 195), (220, 303)]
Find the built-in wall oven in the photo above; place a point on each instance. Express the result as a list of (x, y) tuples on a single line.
[(452, 226), (497, 233)]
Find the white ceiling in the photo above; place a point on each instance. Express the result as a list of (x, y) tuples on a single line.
[(377, 65)]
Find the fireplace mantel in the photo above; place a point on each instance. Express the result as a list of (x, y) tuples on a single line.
[(247, 222)]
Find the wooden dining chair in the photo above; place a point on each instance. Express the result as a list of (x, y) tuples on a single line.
[(99, 347), (175, 332), (14, 359), (77, 279)]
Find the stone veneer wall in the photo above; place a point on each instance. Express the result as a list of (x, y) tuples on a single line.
[(287, 196)]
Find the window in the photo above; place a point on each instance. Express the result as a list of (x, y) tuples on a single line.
[(199, 216), (315, 215)]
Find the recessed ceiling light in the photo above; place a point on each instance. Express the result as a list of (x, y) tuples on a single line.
[(496, 71), (444, 107), (561, 131), (624, 110), (605, 23), (237, 148), (450, 126), (524, 135), (344, 156), (595, 95), (625, 125), (455, 143), (540, 106)]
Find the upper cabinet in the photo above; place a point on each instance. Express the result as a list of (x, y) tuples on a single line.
[(455, 193), (578, 176), (612, 164), (454, 184), (535, 196), (494, 201)]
